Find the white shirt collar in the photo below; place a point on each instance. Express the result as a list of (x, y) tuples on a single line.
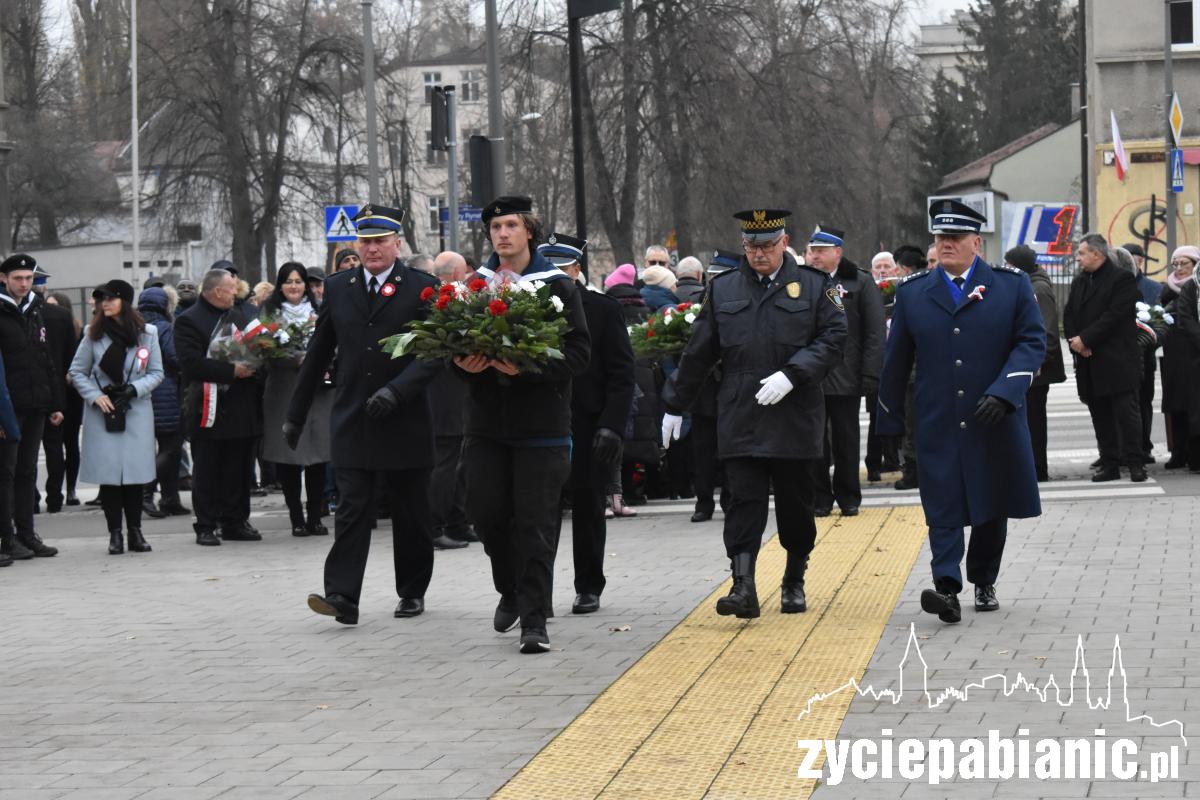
[(381, 278)]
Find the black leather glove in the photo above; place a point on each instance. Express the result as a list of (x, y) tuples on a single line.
[(606, 445), (123, 395), (991, 409), (291, 434), (383, 403)]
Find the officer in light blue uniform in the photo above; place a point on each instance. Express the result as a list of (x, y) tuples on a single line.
[(976, 336)]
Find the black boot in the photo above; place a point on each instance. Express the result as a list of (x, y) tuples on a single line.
[(148, 506), (116, 542), (12, 547), (137, 542), (791, 593), (172, 507), (298, 526), (34, 543), (908, 478), (742, 600), (315, 528)]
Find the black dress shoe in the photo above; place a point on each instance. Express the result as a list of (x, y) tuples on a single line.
[(12, 547), (852, 511), (1137, 473), (336, 606), (94, 501), (299, 530), (315, 528), (1107, 474), (39, 548), (240, 532), (701, 516), (822, 512), (534, 639), (72, 500), (53, 506), (410, 607), (1097, 464), (985, 598), (1175, 463), (444, 542), (586, 603), (506, 616), (944, 604), (5, 560), (874, 475), (174, 508), (151, 510), (207, 539)]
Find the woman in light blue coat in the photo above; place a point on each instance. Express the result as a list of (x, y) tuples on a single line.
[(117, 366)]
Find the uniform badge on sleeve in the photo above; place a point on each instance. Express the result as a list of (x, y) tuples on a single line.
[(835, 298), (793, 290)]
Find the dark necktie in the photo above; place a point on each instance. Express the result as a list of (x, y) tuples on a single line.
[(372, 291), (959, 281), (765, 280)]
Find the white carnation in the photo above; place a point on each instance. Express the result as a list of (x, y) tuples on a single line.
[(1159, 309), (1167, 318), (1142, 306), (282, 336), (556, 302), (526, 286), (1143, 316), (689, 318)]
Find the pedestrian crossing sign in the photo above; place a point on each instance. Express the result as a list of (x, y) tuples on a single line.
[(1176, 170), (339, 223)]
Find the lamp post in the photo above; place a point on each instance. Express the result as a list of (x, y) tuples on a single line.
[(1169, 76), (369, 91), (577, 10), (5, 148), (495, 104)]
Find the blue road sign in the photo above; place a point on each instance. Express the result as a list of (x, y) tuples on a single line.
[(1176, 170), (465, 214), (339, 224)]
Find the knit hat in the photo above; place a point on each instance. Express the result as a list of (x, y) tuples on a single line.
[(659, 276), (1187, 251), (626, 273), (1022, 257), (342, 255)]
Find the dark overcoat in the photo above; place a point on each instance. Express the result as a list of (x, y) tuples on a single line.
[(1102, 310), (353, 326), (969, 473), (239, 412), (603, 394), (862, 355), (796, 326)]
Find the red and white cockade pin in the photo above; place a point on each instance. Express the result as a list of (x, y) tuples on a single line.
[(388, 289), (977, 293), (143, 357)]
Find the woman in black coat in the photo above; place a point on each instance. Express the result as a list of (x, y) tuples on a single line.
[(1180, 360)]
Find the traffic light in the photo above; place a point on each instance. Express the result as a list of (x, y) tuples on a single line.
[(481, 171), (438, 119)]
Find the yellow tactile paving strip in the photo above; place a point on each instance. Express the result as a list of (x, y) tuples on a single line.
[(711, 711)]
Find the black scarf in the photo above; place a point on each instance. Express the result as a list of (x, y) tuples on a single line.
[(112, 363)]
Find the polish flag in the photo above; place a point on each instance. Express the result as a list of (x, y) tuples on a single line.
[(1122, 159)]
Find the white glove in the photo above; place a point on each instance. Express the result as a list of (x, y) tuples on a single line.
[(672, 427), (774, 388)]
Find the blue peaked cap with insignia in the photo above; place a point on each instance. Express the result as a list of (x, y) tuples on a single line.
[(953, 216), (723, 261), (372, 220), (561, 249), (825, 236)]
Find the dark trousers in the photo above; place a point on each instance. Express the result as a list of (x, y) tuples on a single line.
[(750, 482), (709, 474), (314, 484), (222, 470), (1117, 421), (983, 555), (513, 501), (412, 537), (18, 475), (166, 462), (1146, 399), (878, 451), (448, 488), (1035, 413), (117, 499), (1182, 451), (841, 451), (588, 530), (53, 445)]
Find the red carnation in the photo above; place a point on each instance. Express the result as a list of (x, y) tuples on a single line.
[(477, 285), (426, 293), (443, 301), (446, 288), (497, 308), (683, 306), (274, 326), (649, 334)]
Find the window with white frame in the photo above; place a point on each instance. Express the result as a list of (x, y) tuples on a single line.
[(1185, 22), (435, 207), (471, 90), (432, 79)]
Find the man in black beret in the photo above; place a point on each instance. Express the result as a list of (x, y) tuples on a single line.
[(37, 397)]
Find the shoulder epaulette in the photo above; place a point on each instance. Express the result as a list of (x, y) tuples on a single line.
[(820, 272), (915, 275), (1007, 268), (720, 275)]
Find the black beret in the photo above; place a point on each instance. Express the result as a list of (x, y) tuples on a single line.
[(508, 204), (18, 261), (114, 288)]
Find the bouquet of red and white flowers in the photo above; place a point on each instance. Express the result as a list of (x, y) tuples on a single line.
[(283, 339), (666, 333), (231, 344), (887, 288), (508, 320)]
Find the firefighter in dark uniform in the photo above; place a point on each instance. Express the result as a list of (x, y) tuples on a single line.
[(381, 423), (600, 401), (777, 328), (855, 375), (976, 336), (518, 438), (708, 472)]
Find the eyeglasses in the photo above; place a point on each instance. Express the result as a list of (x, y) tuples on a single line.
[(761, 248), (1183, 263)]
